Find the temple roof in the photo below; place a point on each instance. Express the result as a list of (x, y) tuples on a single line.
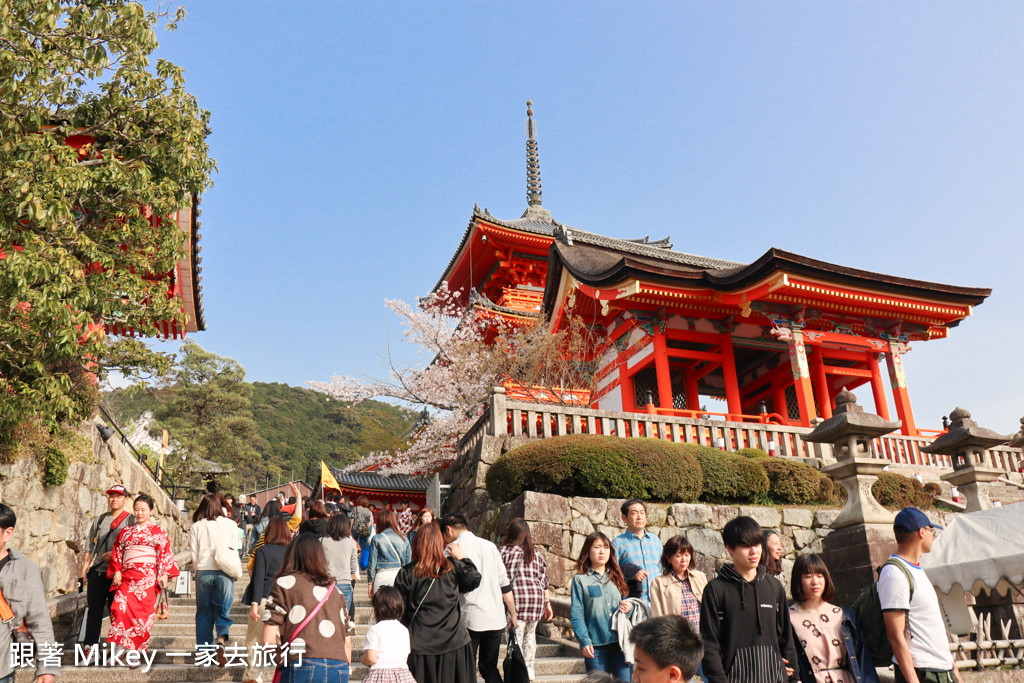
[(603, 262)]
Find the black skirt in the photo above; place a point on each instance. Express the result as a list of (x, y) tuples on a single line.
[(455, 666)]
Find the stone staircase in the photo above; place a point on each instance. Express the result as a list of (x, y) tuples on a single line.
[(557, 661)]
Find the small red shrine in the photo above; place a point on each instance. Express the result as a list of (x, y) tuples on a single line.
[(776, 339)]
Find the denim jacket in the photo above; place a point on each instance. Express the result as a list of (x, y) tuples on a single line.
[(594, 601), (388, 550)]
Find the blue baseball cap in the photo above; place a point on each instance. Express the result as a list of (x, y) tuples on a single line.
[(911, 519)]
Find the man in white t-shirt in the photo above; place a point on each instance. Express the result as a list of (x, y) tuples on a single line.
[(913, 620), (484, 607)]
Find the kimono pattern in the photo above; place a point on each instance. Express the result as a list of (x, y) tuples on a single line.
[(142, 554)]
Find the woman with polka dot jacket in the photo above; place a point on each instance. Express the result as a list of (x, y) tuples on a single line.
[(299, 588)]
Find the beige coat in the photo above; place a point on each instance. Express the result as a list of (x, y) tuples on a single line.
[(667, 594)]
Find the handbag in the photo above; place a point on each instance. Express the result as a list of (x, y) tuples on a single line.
[(515, 663), (309, 618), (226, 559), (162, 610)]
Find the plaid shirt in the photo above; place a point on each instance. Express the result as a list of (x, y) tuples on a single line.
[(690, 607), (529, 581), (634, 553), (405, 521)]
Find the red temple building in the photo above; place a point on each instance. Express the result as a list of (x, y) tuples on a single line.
[(184, 281), (774, 340)]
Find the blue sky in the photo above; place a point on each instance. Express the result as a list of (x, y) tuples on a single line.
[(354, 138)]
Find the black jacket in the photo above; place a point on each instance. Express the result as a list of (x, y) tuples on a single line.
[(439, 626), (746, 630), (314, 526), (266, 564)]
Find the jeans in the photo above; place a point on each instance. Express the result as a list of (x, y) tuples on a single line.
[(345, 588), (215, 591), (98, 596), (487, 644), (316, 671), (609, 658), (926, 676)]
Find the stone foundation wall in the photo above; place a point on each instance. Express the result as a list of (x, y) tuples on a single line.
[(53, 521), (560, 525)]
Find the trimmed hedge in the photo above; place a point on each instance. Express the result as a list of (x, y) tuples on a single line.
[(729, 478), (752, 453), (933, 489), (796, 483), (896, 491), (598, 466)]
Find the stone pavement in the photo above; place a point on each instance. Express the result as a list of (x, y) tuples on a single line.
[(557, 662)]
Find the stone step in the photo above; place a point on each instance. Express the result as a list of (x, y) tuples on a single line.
[(189, 674), (183, 628)]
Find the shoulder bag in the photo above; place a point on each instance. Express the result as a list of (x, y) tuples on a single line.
[(309, 618), (225, 556)]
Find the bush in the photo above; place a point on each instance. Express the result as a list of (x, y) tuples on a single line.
[(796, 483), (933, 489), (729, 478), (895, 491), (55, 466), (601, 466), (752, 453)]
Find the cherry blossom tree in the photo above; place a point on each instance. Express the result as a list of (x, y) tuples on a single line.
[(463, 354)]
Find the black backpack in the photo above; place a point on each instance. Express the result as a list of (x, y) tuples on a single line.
[(867, 608)]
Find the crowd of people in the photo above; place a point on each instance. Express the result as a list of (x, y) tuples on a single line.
[(444, 598)]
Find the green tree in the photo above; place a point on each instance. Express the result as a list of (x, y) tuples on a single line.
[(81, 242), (208, 413)]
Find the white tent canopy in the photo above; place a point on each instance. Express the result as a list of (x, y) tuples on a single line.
[(978, 550)]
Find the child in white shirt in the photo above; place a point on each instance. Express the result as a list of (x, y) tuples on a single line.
[(387, 641)]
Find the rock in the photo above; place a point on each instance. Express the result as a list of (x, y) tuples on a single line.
[(595, 509), (577, 545), (610, 531), (545, 507), (686, 514), (825, 517), (582, 525), (768, 518), (707, 542), (656, 515), (723, 514), (668, 532), (39, 522), (798, 517), (787, 544), (613, 516), (547, 534), (560, 571), (803, 537), (823, 531)]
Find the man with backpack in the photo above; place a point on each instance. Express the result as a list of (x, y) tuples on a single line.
[(99, 547), (910, 607)]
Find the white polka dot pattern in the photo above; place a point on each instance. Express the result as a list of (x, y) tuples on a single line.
[(297, 614), (326, 628), (319, 592), (286, 582)]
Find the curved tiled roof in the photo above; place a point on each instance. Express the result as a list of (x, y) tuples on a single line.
[(373, 480)]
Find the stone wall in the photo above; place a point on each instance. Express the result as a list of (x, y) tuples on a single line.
[(53, 521), (560, 525)]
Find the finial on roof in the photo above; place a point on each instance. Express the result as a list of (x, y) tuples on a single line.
[(534, 196)]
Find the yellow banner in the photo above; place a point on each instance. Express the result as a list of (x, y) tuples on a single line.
[(327, 479)]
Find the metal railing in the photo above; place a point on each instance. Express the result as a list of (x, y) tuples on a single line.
[(160, 475)]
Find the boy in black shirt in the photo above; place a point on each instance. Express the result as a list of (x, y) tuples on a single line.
[(744, 619)]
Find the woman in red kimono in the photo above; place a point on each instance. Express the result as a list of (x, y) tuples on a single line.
[(142, 559)]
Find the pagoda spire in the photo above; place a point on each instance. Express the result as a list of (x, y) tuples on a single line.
[(534, 196)]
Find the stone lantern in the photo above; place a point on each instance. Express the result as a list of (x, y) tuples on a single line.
[(851, 432), (861, 538), (966, 444)]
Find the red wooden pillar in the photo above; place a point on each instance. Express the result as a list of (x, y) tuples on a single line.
[(692, 389), (820, 381), (899, 390), (801, 377), (626, 387), (779, 399), (662, 370), (732, 387), (878, 387)]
